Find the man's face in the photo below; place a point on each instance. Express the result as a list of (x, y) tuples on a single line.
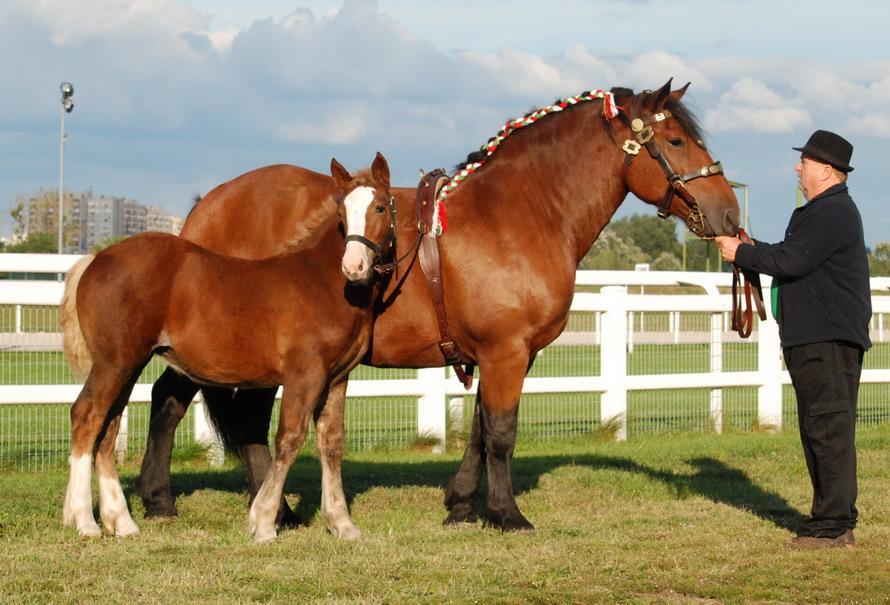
[(812, 176)]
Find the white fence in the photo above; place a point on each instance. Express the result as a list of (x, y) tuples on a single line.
[(617, 313)]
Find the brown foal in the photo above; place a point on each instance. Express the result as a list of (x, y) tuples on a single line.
[(301, 319)]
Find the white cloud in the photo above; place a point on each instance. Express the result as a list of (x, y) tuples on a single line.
[(750, 104), (652, 68), (877, 125), (341, 127)]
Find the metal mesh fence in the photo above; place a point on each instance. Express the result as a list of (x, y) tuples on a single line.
[(33, 437)]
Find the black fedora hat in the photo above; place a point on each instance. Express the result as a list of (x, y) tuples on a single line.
[(830, 148)]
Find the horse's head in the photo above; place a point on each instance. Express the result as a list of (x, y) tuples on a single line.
[(675, 171), (367, 211)]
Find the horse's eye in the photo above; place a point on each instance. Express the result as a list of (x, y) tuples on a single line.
[(379, 209), (676, 142)]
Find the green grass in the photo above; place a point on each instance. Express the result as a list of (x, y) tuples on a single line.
[(685, 519)]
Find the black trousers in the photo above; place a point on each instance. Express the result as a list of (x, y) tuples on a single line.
[(825, 376)]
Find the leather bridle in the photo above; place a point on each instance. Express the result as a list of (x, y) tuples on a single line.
[(644, 136), (379, 248)]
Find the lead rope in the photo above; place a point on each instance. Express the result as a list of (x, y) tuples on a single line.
[(742, 312)]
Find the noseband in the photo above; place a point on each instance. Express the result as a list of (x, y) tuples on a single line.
[(378, 249), (644, 136)]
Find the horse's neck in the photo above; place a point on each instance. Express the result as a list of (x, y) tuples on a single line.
[(565, 177)]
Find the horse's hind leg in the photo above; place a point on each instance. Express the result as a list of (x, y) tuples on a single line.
[(329, 435), (171, 395), (460, 491), (301, 393), (89, 417), (113, 509)]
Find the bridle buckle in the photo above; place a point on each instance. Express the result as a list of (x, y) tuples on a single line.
[(631, 147)]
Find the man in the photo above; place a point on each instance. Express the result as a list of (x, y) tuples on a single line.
[(823, 311)]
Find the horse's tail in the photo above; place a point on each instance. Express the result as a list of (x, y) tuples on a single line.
[(73, 342)]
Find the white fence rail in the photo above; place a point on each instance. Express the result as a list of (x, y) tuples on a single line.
[(614, 308)]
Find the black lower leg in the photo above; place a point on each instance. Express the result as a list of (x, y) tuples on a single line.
[(170, 398), (251, 410), (462, 488), (501, 509)]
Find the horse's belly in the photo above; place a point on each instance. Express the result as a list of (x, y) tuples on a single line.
[(215, 370)]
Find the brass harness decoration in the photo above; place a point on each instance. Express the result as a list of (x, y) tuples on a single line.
[(644, 136)]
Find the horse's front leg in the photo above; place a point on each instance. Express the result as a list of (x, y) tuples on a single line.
[(504, 373), (301, 394), (462, 488), (329, 436), (171, 396)]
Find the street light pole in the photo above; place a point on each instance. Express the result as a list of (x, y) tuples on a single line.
[(66, 107)]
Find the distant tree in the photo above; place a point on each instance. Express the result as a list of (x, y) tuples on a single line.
[(666, 262), (879, 260), (37, 242), (649, 233), (18, 216), (702, 255), (98, 247), (611, 251)]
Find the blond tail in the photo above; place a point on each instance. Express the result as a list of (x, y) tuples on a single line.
[(73, 343)]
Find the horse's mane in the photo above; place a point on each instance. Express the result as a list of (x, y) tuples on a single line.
[(680, 111), (307, 231)]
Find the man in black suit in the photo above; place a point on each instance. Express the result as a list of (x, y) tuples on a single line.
[(823, 310)]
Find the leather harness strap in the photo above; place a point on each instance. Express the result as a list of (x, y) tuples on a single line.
[(742, 314), (431, 269)]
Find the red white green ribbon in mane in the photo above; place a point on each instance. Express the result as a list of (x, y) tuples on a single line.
[(610, 110)]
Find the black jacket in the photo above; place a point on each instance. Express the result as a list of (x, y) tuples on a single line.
[(822, 268)]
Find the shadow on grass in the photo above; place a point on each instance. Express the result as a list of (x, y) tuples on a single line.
[(712, 479)]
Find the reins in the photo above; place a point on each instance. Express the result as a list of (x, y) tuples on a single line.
[(742, 313)]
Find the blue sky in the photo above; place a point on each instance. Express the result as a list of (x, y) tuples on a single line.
[(175, 96)]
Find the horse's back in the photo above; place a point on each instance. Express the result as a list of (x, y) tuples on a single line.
[(272, 204)]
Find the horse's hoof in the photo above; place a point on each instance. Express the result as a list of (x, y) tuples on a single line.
[(264, 536), (460, 514), (510, 522), (89, 530), (125, 527), (347, 532), (467, 521), (162, 511)]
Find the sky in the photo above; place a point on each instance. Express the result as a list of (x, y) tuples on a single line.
[(173, 97)]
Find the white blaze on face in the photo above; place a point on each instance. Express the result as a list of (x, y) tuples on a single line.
[(357, 258)]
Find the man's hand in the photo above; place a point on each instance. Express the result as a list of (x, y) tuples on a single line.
[(727, 245)]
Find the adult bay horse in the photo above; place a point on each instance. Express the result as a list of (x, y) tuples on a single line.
[(518, 227), (301, 319)]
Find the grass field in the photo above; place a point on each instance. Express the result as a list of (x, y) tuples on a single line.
[(687, 519)]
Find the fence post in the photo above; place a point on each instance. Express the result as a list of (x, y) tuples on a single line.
[(18, 318), (432, 409), (769, 358), (120, 442), (613, 360), (206, 435), (717, 366)]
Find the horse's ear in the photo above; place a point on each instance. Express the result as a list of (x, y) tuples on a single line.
[(657, 99), (380, 170), (678, 94), (341, 176)]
